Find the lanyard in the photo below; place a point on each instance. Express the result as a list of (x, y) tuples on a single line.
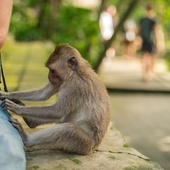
[(2, 74)]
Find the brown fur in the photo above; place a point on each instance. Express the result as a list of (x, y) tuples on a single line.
[(82, 108)]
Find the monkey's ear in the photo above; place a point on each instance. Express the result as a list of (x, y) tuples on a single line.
[(72, 63)]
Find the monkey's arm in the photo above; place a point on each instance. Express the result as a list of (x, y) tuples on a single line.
[(33, 95), (52, 112)]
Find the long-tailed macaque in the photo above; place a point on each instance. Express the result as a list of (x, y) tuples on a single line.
[(82, 108)]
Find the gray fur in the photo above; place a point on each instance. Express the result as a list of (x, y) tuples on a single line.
[(82, 108)]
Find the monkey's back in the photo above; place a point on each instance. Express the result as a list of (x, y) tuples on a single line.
[(94, 101), (102, 106), (85, 99)]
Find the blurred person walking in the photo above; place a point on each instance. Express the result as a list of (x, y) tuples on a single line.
[(129, 38), (107, 22), (148, 29)]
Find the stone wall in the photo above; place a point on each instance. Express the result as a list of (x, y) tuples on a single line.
[(113, 154)]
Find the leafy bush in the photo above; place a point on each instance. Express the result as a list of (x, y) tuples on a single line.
[(79, 28), (72, 25)]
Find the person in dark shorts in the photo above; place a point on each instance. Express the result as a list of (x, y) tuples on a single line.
[(147, 29)]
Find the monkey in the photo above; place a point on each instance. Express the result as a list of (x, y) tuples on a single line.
[(81, 113)]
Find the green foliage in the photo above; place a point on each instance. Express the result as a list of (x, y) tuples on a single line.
[(79, 28), (72, 25), (23, 23), (62, 23)]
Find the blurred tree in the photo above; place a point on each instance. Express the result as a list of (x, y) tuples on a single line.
[(58, 22), (36, 19), (119, 27), (78, 26), (101, 7), (61, 22), (47, 15)]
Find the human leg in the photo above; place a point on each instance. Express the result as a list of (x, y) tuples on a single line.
[(148, 62), (11, 146)]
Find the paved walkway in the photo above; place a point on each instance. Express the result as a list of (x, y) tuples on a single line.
[(127, 75), (142, 119)]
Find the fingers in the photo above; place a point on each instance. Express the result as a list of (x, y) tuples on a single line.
[(13, 120), (10, 105), (5, 103)]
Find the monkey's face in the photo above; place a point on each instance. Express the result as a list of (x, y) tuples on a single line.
[(61, 63), (58, 71), (55, 76)]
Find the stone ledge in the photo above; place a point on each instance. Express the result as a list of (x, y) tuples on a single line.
[(112, 154)]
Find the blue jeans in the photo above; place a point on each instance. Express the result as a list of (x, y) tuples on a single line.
[(12, 155)]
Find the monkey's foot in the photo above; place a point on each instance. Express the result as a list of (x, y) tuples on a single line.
[(19, 127)]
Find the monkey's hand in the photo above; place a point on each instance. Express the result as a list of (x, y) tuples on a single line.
[(19, 127), (18, 102), (10, 105)]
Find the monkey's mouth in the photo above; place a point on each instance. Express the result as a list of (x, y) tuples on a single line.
[(57, 77), (55, 80)]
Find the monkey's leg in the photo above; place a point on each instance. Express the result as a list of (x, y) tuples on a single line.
[(65, 136), (18, 126)]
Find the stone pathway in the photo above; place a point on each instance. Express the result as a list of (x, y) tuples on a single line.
[(127, 75), (142, 118)]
